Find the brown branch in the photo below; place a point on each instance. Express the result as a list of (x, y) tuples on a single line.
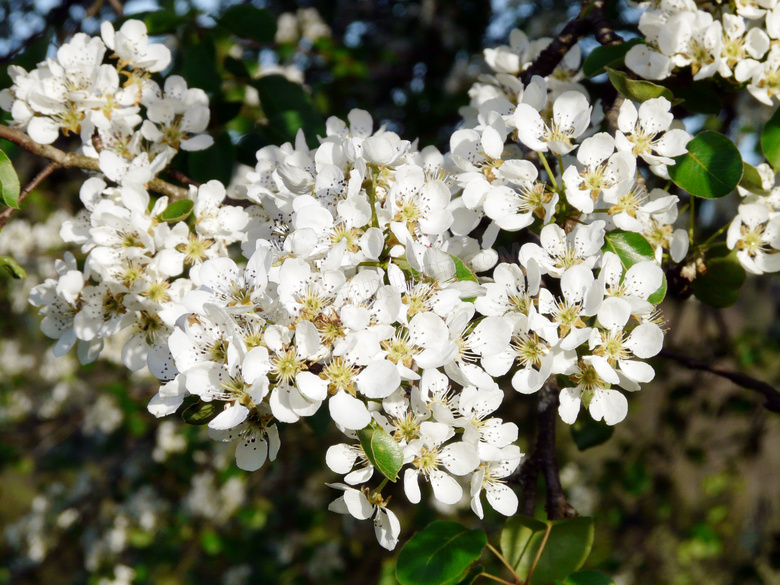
[(592, 16), (543, 460), (79, 161), (771, 395), (37, 180), (604, 30), (177, 175)]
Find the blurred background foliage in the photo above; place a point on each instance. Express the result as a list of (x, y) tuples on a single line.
[(95, 490)]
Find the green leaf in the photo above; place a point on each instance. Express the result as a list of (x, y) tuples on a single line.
[(700, 97), (199, 65), (751, 180), (711, 168), (288, 109), (517, 536), (586, 578), (216, 162), (632, 248), (248, 22), (9, 182), (588, 433), (567, 547), (770, 140), (611, 56), (441, 554), (463, 272), (719, 287), (638, 91), (162, 22), (382, 450), (9, 264), (201, 413), (177, 211)]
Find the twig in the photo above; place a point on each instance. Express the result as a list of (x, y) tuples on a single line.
[(37, 180), (771, 395), (80, 161), (177, 175)]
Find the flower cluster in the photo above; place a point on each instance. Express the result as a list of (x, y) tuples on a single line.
[(371, 284), (131, 124), (736, 40)]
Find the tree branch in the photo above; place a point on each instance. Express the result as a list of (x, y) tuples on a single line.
[(80, 161), (771, 395), (543, 460), (592, 17)]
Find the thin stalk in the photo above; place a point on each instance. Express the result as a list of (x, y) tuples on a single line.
[(706, 243), (494, 578), (379, 488), (505, 562), (372, 198), (691, 226), (539, 552), (549, 172)]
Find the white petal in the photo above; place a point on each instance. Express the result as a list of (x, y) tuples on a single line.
[(348, 411), (445, 487), (502, 498), (610, 405)]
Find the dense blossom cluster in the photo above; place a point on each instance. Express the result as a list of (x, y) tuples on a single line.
[(370, 284), (735, 40)]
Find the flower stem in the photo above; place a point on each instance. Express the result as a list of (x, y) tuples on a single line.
[(372, 197), (706, 243), (378, 489), (494, 578), (505, 562), (539, 552), (549, 171)]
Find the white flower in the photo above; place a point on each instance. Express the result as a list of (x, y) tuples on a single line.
[(638, 132), (357, 504), (131, 44), (571, 117), (593, 389), (426, 454), (496, 465)]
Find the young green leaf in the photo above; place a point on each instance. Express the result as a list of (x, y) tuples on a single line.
[(382, 450), (463, 272), (177, 211), (201, 413), (719, 287), (565, 550), (9, 182), (9, 265), (586, 578), (247, 22), (638, 91), (770, 140), (441, 554), (711, 168), (611, 56)]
